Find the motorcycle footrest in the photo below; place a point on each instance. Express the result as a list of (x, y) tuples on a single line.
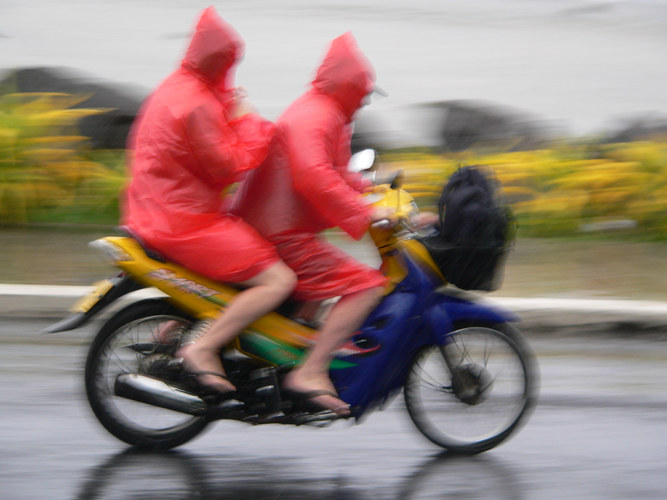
[(229, 409)]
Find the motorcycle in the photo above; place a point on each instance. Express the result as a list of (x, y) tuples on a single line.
[(468, 376)]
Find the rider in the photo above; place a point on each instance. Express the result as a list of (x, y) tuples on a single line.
[(303, 188), (196, 135)]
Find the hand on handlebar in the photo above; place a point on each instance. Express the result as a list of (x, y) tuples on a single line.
[(425, 219), (242, 105), (381, 213), (383, 217)]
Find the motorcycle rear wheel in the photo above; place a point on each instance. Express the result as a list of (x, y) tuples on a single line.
[(135, 423), (478, 397)]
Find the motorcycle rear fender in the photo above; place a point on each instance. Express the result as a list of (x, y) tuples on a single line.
[(451, 308), (105, 292)]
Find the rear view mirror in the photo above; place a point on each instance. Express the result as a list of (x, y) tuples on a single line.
[(361, 161)]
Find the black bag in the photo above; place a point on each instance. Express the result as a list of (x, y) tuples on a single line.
[(476, 229)]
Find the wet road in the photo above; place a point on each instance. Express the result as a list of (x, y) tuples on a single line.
[(598, 432)]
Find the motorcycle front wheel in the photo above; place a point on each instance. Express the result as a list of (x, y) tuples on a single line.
[(132, 341), (473, 393)]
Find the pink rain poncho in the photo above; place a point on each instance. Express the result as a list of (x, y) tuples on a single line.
[(304, 187), (186, 151)]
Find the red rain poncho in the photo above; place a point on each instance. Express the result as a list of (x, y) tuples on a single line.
[(304, 187), (186, 151)]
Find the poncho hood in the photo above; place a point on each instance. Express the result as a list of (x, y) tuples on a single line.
[(345, 74), (214, 50)]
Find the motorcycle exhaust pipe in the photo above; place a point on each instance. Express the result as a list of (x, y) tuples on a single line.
[(157, 393)]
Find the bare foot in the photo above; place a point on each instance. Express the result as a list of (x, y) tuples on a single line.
[(327, 397), (197, 360)]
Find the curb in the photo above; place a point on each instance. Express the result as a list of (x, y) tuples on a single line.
[(50, 301), (538, 314)]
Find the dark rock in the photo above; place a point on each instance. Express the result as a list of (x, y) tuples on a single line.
[(461, 125), (640, 128)]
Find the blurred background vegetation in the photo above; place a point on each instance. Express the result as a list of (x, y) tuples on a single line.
[(50, 173), (566, 190)]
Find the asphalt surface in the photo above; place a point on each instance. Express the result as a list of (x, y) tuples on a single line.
[(597, 432)]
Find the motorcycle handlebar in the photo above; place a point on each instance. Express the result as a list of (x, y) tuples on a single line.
[(383, 224)]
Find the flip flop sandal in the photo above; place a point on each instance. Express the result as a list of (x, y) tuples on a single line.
[(306, 400), (206, 392)]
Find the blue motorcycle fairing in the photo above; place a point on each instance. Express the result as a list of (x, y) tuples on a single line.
[(395, 327), (414, 315), (446, 310), (376, 375), (418, 277)]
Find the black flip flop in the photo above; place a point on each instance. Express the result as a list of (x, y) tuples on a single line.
[(206, 392), (305, 400)]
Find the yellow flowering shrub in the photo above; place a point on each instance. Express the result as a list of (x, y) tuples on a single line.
[(48, 173), (44, 163), (561, 190)]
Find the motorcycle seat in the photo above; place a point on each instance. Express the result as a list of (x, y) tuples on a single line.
[(153, 254)]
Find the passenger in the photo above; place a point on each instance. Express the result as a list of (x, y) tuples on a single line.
[(303, 188), (195, 135)]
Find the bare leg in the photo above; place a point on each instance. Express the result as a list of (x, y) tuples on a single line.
[(344, 320), (167, 332), (268, 289)]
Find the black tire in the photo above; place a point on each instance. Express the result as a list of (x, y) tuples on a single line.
[(137, 424), (480, 396)]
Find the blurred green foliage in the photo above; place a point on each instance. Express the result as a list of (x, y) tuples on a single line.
[(48, 173)]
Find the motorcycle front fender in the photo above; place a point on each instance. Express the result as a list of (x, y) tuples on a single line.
[(104, 293), (447, 310)]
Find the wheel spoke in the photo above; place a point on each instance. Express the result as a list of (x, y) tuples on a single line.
[(113, 357), (432, 381), (491, 389), (128, 344)]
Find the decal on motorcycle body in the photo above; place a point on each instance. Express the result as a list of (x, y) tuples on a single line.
[(182, 284)]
